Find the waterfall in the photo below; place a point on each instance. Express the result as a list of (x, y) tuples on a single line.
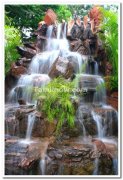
[(42, 165), (65, 30), (96, 169), (95, 68), (98, 119), (49, 36), (115, 166), (59, 31), (31, 120), (87, 79), (100, 94), (96, 162), (23, 89)]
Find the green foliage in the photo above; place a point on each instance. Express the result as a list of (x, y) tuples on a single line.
[(56, 101), (110, 39), (63, 12), (81, 10), (114, 82), (25, 16), (12, 39)]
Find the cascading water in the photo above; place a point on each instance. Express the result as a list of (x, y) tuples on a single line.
[(42, 166), (98, 119), (24, 86), (31, 120)]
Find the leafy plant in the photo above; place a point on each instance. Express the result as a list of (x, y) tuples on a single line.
[(56, 101), (25, 16), (12, 39), (110, 39)]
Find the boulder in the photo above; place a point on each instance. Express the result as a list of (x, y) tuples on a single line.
[(21, 102), (22, 158), (41, 127), (50, 17), (26, 52), (17, 71), (61, 67)]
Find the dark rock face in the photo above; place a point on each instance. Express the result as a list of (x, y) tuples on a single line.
[(10, 82), (26, 52), (61, 67)]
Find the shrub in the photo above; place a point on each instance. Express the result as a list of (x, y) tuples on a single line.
[(110, 39), (56, 101), (12, 39)]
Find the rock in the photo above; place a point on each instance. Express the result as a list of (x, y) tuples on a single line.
[(41, 31), (10, 82), (17, 71), (95, 14), (30, 45), (24, 62), (77, 162), (61, 67), (41, 128), (22, 158), (21, 102), (100, 146), (70, 25), (50, 17), (112, 99), (109, 120), (11, 123), (58, 156), (108, 68), (26, 52)]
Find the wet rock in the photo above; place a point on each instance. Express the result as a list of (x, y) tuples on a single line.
[(58, 156), (79, 161), (109, 119), (17, 71), (21, 102), (41, 128), (61, 67), (24, 62), (84, 117), (21, 158), (30, 45), (88, 82), (100, 146), (10, 82), (11, 126), (26, 52)]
